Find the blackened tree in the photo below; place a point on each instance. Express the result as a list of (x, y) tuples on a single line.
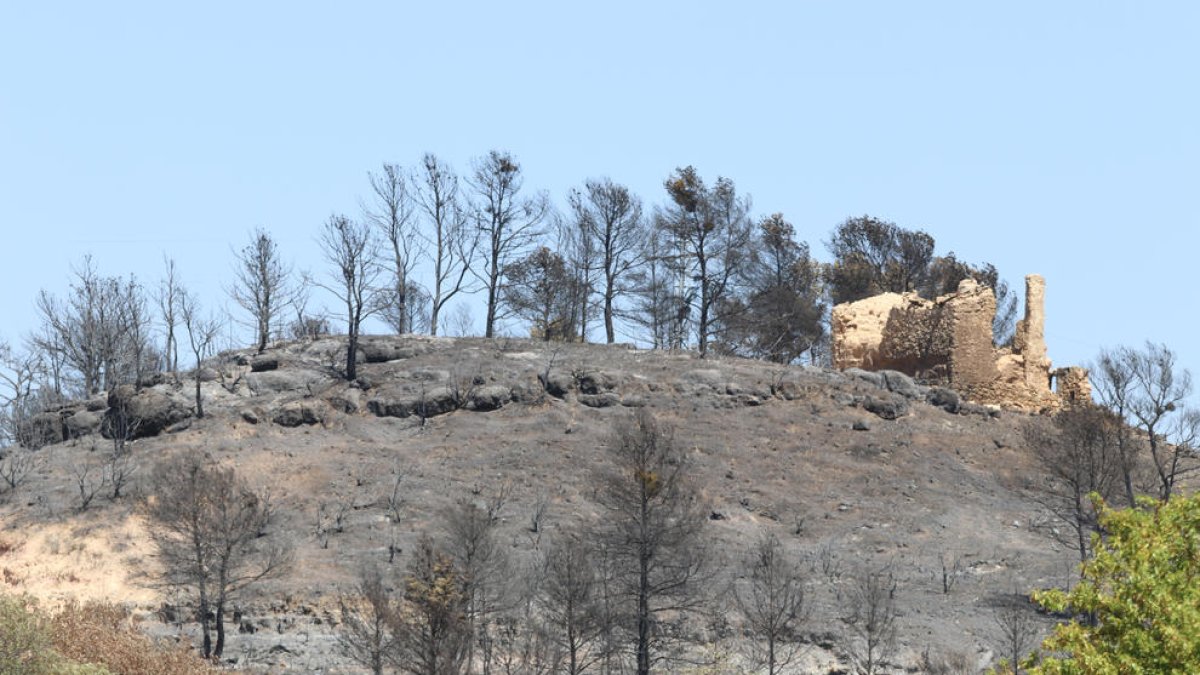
[(353, 256), (710, 230), (508, 224)]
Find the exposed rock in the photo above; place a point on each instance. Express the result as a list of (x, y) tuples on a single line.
[(556, 383), (605, 400), (899, 383), (427, 375), (875, 379), (862, 425), (946, 399), (382, 351), (348, 401), (886, 407), (96, 404), (297, 413), (488, 398), (263, 364), (435, 401), (150, 411), (595, 383), (84, 423), (47, 428), (250, 416), (283, 381)]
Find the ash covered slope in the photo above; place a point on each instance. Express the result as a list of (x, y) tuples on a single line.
[(849, 470)]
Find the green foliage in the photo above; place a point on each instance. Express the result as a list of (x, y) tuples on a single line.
[(24, 641), (1138, 605), (27, 644)]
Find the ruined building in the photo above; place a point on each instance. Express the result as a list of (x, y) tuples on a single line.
[(949, 341)]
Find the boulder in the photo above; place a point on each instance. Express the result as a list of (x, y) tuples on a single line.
[(148, 412), (491, 397), (899, 383), (595, 383), (382, 351), (605, 400), (46, 428), (348, 400), (262, 364), (867, 376), (298, 412), (432, 402), (946, 399), (282, 381), (556, 383), (886, 407), (84, 423)]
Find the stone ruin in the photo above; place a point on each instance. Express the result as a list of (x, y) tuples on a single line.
[(948, 341)]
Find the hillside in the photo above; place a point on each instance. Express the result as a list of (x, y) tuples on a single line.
[(810, 455)]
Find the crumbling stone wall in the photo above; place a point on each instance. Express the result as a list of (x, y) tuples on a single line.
[(949, 341)]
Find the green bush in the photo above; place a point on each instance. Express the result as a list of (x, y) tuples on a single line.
[(1138, 605)]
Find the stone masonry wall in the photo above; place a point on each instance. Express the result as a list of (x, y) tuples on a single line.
[(949, 340)]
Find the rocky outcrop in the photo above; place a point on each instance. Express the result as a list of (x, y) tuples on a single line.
[(948, 341), (143, 413)]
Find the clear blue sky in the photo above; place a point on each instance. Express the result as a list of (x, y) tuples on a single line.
[(1059, 138)]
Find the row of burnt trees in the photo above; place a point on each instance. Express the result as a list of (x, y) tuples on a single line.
[(697, 271), (619, 594)]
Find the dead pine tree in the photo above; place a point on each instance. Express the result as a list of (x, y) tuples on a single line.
[(652, 534), (208, 527), (202, 334), (772, 603), (368, 613), (262, 286), (871, 620), (351, 251)]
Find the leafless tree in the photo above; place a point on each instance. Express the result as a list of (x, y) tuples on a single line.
[(570, 596), (772, 603), (202, 334), (507, 223), (711, 234), (1148, 390), (581, 268), (20, 374), (1014, 617), (16, 465), (98, 331), (1079, 455), (449, 235), (119, 470), (391, 211), (431, 628), (262, 285), (660, 307), (611, 217), (872, 620), (169, 292), (207, 525), (352, 252), (368, 616), (462, 321), (89, 479), (652, 533), (484, 567)]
